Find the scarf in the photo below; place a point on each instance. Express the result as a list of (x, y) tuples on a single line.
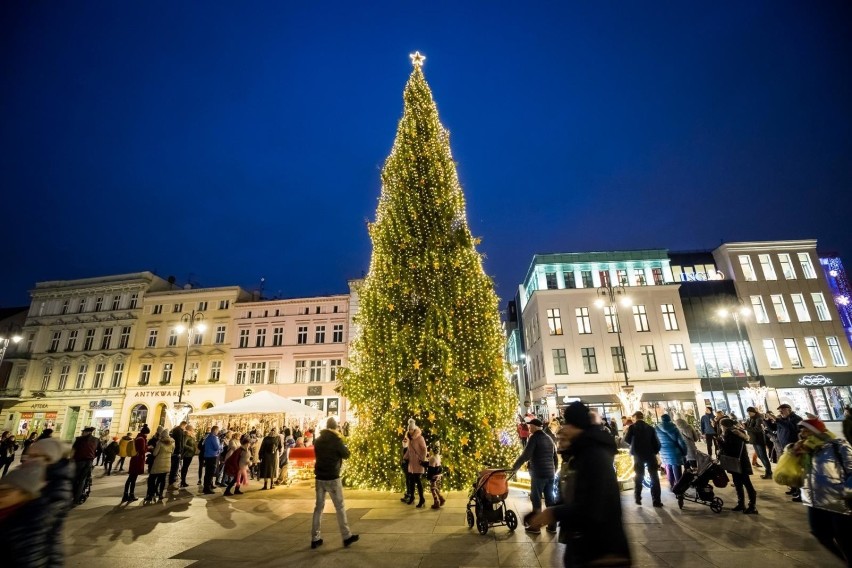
[(811, 445)]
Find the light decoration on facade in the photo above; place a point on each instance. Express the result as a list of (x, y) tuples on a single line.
[(757, 393), (178, 412), (630, 399), (814, 381), (841, 291)]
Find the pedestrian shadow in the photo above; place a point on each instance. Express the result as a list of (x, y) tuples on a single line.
[(126, 524), (221, 515)]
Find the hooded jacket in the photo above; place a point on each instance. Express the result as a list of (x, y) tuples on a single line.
[(416, 451), (673, 448), (330, 452), (828, 480), (643, 440), (163, 456)]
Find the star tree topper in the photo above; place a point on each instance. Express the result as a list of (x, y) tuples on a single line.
[(417, 59)]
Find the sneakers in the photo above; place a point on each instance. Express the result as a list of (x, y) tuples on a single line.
[(316, 543), (209, 492), (532, 530), (227, 493), (350, 540)]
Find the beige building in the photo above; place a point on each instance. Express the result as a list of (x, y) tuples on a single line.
[(71, 369), (165, 355)]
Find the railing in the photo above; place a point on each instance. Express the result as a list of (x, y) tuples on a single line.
[(11, 393)]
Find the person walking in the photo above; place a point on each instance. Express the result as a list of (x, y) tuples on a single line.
[(540, 453), (187, 452), (160, 467), (236, 467), (54, 503), (330, 452), (23, 519), (178, 434), (644, 446), (283, 462), (708, 430), (124, 446), (691, 437), (523, 431), (785, 426), (732, 444), (754, 426), (408, 497), (416, 460), (109, 453), (27, 443), (434, 473), (137, 464), (589, 515), (673, 449), (201, 456), (84, 447), (8, 447), (210, 452)]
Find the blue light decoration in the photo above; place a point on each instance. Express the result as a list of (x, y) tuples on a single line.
[(841, 291)]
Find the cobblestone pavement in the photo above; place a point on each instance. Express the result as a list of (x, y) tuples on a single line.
[(272, 528)]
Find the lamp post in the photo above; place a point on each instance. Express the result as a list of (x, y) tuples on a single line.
[(612, 296), (191, 323), (756, 392), (10, 334)]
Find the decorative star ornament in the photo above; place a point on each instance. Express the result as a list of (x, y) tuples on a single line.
[(417, 59), (417, 364)]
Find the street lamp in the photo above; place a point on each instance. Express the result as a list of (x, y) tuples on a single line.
[(612, 296), (9, 335), (756, 392), (191, 324)]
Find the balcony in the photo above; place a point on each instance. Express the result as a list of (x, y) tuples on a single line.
[(10, 393)]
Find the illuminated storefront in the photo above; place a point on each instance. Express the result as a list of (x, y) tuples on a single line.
[(824, 395)]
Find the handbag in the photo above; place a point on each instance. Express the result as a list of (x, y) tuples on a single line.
[(732, 464)]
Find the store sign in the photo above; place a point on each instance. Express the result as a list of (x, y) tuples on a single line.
[(39, 406), (50, 415), (100, 403), (814, 381), (701, 276), (159, 394), (315, 391), (247, 393)]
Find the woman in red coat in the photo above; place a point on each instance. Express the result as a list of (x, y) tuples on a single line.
[(137, 464)]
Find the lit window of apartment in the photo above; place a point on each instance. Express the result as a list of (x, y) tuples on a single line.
[(611, 319), (215, 371), (277, 336), (836, 352), (301, 372), (257, 372), (793, 353), (173, 338), (152, 338), (224, 304), (590, 361), (82, 371), (821, 307), (318, 371), (766, 265), (786, 266), (621, 277), (45, 377), (244, 338), (117, 375), (166, 377), (554, 321), (640, 318), (560, 362), (219, 338), (90, 340), (669, 317), (116, 302), (638, 277), (550, 280), (192, 371), (333, 366), (99, 303), (134, 300), (124, 339), (100, 371), (649, 358), (800, 308), (106, 339), (780, 308), (678, 357), (807, 266), (71, 344), (302, 335), (748, 269), (157, 309), (54, 341), (658, 276), (242, 371), (319, 335), (584, 322), (337, 336), (272, 373), (618, 362), (198, 338), (760, 315), (64, 372), (145, 374), (772, 354), (260, 338), (814, 351), (202, 306)]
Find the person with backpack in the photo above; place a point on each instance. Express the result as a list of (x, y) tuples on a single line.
[(124, 446), (136, 453)]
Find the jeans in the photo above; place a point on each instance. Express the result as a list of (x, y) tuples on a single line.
[(541, 486), (764, 459), (173, 472), (673, 473), (832, 530), (82, 470), (743, 480), (108, 466), (121, 464), (209, 470), (156, 485), (710, 439), (184, 469), (130, 485), (639, 466), (335, 489)]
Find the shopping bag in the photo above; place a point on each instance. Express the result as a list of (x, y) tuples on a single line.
[(789, 471)]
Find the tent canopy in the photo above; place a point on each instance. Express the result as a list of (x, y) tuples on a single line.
[(263, 402)]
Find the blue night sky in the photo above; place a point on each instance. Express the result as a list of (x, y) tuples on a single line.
[(229, 141)]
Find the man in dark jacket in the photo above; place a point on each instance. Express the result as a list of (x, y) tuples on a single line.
[(85, 448), (590, 513), (644, 446), (785, 426), (708, 430), (330, 452), (540, 452), (178, 434), (757, 438)]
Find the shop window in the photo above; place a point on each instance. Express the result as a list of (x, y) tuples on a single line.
[(138, 417)]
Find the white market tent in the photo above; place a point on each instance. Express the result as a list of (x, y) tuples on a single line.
[(263, 402)]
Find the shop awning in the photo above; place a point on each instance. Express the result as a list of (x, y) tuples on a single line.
[(653, 396)]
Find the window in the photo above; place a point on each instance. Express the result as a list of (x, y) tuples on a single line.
[(584, 323), (590, 362), (90, 340), (260, 339), (219, 338), (242, 370), (638, 277), (106, 340), (678, 357), (793, 353), (586, 277), (116, 302), (224, 304), (766, 266), (786, 266), (649, 358), (836, 353), (611, 319), (99, 303), (306, 311), (173, 338), (145, 374), (157, 309), (772, 354), (45, 377), (30, 340), (215, 371), (117, 373), (72, 340), (807, 267), (152, 338), (780, 308), (554, 321), (202, 306), (244, 338), (65, 307), (166, 378), (54, 341), (318, 371), (821, 307), (124, 340), (618, 362), (669, 317), (138, 416), (272, 374), (603, 276), (319, 336), (100, 370), (318, 309), (760, 315), (177, 308), (560, 362), (748, 269), (568, 277), (658, 276), (640, 318), (134, 300), (257, 372), (550, 280), (277, 336), (800, 308), (814, 351), (301, 372), (302, 336), (197, 337), (337, 334), (63, 377), (82, 371), (334, 364), (621, 277)]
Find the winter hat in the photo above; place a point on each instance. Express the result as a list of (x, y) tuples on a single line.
[(145, 430), (815, 425), (411, 424), (331, 423), (29, 478), (164, 434), (666, 418), (52, 449), (577, 414), (726, 422)]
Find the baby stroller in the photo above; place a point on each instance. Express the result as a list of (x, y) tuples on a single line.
[(695, 485), (488, 501)]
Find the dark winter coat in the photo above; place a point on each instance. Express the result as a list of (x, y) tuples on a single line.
[(754, 427), (786, 429), (190, 447), (111, 451), (732, 443), (707, 426), (137, 462), (847, 429), (643, 440), (540, 452), (85, 447), (269, 456), (330, 452), (56, 498), (178, 434), (673, 447), (590, 515)]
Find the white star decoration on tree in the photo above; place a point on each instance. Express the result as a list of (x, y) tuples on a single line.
[(417, 59)]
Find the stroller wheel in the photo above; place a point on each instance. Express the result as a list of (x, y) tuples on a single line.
[(481, 525), (511, 520), (680, 501), (716, 505), (469, 519)]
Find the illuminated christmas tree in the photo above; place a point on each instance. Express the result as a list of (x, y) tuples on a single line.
[(430, 342)]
